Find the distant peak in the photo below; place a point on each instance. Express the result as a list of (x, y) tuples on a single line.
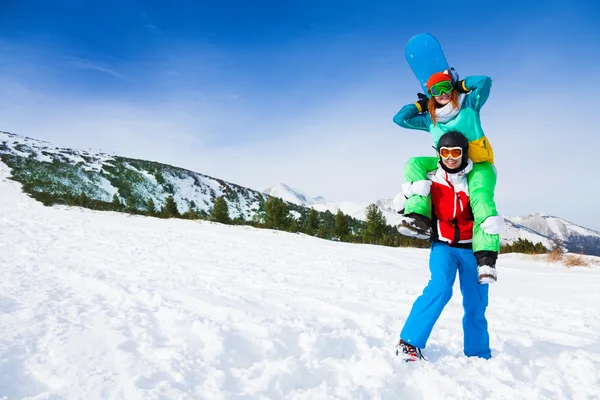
[(292, 195), (279, 186), (284, 186)]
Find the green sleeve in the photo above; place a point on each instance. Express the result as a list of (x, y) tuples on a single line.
[(416, 169)]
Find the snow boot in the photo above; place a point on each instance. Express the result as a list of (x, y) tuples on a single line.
[(408, 352), (486, 266), (415, 225)]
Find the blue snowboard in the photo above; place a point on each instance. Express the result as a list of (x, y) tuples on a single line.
[(425, 57)]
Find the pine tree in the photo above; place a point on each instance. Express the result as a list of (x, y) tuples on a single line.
[(170, 209), (239, 220), (202, 214), (313, 222), (276, 214), (116, 202), (374, 226), (524, 246), (150, 207), (342, 228), (83, 200), (130, 204), (323, 232), (540, 249), (294, 226), (220, 211)]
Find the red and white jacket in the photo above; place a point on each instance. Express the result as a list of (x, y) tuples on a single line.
[(452, 214)]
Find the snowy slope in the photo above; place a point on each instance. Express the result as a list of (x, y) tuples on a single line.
[(576, 238), (135, 182), (513, 231), (102, 305)]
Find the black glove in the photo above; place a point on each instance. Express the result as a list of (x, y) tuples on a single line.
[(460, 88), (423, 101)]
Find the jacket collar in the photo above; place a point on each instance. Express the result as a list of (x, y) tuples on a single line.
[(456, 176)]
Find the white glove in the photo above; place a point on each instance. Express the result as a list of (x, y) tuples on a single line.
[(419, 187), (493, 225), (399, 201)]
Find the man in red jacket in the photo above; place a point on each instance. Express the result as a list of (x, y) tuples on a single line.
[(451, 251)]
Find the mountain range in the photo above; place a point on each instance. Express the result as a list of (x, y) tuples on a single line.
[(48, 170)]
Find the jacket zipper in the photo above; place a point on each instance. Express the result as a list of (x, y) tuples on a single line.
[(456, 238)]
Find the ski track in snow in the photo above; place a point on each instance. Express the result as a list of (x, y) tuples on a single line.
[(101, 305)]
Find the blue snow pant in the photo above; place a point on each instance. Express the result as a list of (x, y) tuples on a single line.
[(444, 261)]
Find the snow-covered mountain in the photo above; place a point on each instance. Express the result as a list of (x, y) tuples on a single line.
[(575, 238), (293, 196), (514, 231), (58, 172), (319, 203)]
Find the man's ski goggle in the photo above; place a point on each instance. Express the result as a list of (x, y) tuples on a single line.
[(454, 152), (440, 88)]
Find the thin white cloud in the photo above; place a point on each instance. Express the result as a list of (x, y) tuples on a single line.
[(94, 66), (153, 28)]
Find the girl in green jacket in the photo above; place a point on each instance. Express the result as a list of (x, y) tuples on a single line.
[(454, 106)]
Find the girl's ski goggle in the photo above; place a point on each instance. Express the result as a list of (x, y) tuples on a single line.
[(440, 88), (454, 152)]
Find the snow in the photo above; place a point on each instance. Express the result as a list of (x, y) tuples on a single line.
[(351, 208), (554, 227), (102, 305), (106, 187), (39, 147), (187, 190), (288, 194), (512, 232), (98, 161)]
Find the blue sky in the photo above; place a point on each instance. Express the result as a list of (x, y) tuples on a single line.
[(304, 92)]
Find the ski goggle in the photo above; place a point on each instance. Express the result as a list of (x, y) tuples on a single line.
[(454, 152), (440, 88)]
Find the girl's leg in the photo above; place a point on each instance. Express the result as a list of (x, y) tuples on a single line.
[(416, 169), (482, 183)]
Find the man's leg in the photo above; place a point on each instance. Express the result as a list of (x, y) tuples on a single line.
[(475, 301), (427, 308), (482, 183)]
